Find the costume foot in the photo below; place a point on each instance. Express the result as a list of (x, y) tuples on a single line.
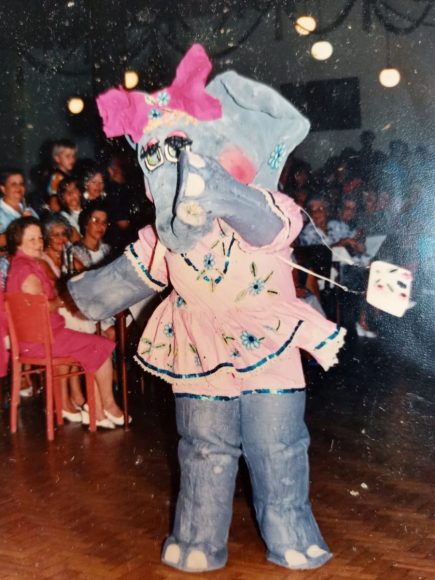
[(192, 558), (313, 557)]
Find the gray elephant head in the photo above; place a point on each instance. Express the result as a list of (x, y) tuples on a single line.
[(246, 126)]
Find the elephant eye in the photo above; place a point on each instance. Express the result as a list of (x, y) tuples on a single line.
[(174, 144), (152, 156)]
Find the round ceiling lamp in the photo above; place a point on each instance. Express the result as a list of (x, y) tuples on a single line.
[(75, 105), (305, 25), (389, 77), (131, 79), (321, 50)]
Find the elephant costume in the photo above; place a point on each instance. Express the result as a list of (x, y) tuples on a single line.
[(228, 336)]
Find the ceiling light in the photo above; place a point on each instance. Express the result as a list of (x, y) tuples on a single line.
[(389, 77), (321, 50), (75, 105), (131, 79), (305, 25)]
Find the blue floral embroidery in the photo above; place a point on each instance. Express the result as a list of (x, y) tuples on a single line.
[(250, 341), (169, 330), (256, 286), (235, 353), (154, 114), (163, 98), (277, 156), (203, 275), (179, 302), (209, 261)]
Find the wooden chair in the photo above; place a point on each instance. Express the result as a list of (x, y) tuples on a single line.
[(29, 321)]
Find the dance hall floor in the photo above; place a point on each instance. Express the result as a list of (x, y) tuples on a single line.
[(97, 506)]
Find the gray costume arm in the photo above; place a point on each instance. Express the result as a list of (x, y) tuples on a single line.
[(111, 289), (206, 188)]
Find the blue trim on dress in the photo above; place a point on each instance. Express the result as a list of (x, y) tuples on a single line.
[(272, 391), (235, 397), (330, 337), (143, 268), (205, 397), (222, 365)]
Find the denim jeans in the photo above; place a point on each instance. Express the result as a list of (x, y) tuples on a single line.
[(270, 431)]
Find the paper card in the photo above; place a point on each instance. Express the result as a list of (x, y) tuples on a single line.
[(389, 288)]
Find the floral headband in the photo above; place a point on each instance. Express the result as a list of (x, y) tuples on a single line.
[(132, 113)]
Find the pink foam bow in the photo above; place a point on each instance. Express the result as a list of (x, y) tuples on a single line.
[(129, 112)]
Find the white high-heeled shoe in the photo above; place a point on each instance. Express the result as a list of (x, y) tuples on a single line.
[(105, 424), (119, 421), (72, 417)]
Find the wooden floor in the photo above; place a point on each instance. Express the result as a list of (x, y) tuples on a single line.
[(97, 506)]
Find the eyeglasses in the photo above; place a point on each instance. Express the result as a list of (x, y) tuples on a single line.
[(99, 222)]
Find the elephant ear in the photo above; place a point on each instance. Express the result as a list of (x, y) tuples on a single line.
[(260, 121)]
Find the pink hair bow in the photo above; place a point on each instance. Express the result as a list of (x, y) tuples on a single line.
[(129, 112)]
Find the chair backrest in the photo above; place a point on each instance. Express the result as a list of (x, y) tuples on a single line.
[(29, 320)]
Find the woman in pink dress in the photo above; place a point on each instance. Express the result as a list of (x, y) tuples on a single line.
[(25, 244)]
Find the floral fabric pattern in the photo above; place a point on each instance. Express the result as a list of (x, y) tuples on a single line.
[(233, 311)]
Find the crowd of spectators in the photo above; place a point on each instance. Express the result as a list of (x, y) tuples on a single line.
[(79, 215), (357, 200)]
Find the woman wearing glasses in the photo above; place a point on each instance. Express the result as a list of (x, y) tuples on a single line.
[(92, 251)]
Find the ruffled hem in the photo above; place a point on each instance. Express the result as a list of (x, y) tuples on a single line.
[(221, 368), (325, 352)]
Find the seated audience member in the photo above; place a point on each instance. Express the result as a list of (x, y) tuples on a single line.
[(317, 233), (63, 156), (347, 233), (12, 204), (92, 185), (58, 263), (91, 251), (344, 231), (371, 220), (69, 198), (25, 243), (56, 260)]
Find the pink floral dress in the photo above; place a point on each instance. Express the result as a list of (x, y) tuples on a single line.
[(232, 322)]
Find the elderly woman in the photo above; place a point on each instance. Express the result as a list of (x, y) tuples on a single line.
[(58, 261), (316, 232), (25, 244)]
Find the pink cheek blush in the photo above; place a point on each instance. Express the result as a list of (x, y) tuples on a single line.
[(238, 165)]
